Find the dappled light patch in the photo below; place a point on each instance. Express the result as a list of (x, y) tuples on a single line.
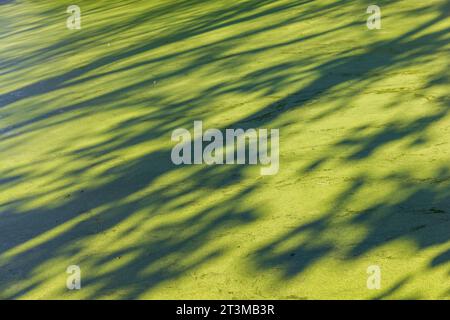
[(86, 177)]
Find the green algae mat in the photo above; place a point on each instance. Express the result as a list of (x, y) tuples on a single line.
[(93, 207)]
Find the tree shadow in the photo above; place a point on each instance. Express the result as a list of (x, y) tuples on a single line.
[(151, 222)]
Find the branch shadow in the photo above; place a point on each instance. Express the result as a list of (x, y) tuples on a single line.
[(169, 219)]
